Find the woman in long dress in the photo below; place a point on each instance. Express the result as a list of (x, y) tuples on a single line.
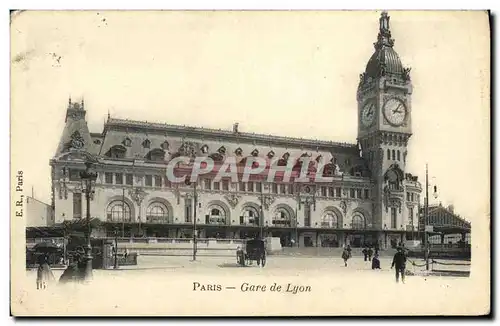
[(376, 261), (44, 274)]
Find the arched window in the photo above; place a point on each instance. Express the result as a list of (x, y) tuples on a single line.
[(118, 211), (157, 213), (388, 154), (127, 142), (146, 143), (399, 156), (330, 220), (358, 221), (216, 215), (393, 154), (156, 154), (250, 216), (165, 145), (117, 151), (282, 217)]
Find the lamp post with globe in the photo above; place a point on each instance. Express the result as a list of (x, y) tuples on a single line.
[(88, 178)]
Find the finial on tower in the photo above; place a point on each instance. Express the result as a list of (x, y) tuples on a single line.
[(109, 116), (384, 22), (384, 32), (83, 104)]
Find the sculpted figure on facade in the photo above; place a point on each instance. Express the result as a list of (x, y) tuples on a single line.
[(267, 201), (137, 195), (232, 199), (343, 206), (187, 149)]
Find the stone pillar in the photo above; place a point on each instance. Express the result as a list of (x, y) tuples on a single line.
[(381, 239)]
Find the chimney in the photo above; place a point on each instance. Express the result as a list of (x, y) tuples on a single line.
[(235, 127)]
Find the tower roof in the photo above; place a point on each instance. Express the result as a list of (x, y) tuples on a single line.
[(384, 61)]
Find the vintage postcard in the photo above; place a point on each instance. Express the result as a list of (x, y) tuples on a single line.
[(250, 163)]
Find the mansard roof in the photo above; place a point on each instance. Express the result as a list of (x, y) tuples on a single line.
[(145, 126)]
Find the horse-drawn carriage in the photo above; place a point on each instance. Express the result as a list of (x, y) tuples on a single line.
[(254, 250)]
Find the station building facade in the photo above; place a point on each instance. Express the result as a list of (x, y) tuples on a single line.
[(371, 198)]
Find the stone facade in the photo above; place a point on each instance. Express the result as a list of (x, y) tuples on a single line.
[(371, 198)]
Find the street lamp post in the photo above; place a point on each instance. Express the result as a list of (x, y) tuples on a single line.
[(426, 217), (116, 249), (88, 177), (195, 236), (195, 202)]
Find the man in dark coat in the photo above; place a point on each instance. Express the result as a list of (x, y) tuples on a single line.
[(370, 253), (365, 253), (345, 256), (399, 261)]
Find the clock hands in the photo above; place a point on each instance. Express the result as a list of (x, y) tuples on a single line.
[(397, 109)]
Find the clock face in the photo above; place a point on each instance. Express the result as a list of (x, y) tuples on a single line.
[(395, 111), (368, 114)]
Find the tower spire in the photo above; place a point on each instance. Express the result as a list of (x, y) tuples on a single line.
[(384, 32)]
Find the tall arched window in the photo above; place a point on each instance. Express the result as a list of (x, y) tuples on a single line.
[(399, 155), (216, 215), (393, 154), (330, 220), (388, 154), (250, 216), (118, 211), (282, 217), (358, 221), (157, 213)]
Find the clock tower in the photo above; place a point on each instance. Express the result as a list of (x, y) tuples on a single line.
[(384, 128)]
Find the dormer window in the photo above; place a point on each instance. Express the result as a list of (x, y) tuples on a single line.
[(238, 151), (146, 143), (127, 142), (222, 150), (270, 154), (117, 151), (156, 155), (204, 149), (255, 152), (165, 145)]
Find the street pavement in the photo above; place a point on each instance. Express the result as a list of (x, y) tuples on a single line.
[(173, 286)]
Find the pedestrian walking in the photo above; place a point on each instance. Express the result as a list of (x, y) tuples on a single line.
[(44, 274), (399, 261), (376, 261), (345, 256), (370, 253), (365, 253)]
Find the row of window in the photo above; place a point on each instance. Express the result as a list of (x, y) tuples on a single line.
[(208, 184), (411, 196), (396, 155), (118, 211)]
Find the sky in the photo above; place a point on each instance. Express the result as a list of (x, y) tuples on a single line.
[(285, 73)]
